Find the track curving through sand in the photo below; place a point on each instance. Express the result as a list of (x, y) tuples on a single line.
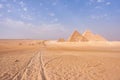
[(43, 75), (64, 65), (34, 70)]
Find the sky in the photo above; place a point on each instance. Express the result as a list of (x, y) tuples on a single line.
[(53, 19)]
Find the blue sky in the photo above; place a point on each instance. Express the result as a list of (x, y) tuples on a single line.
[(53, 19)]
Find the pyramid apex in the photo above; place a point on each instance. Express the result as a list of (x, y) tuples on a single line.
[(76, 30), (88, 31), (76, 37)]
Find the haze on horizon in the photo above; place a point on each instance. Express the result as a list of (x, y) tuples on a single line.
[(53, 19)]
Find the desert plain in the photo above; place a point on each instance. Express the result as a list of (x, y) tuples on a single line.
[(52, 60)]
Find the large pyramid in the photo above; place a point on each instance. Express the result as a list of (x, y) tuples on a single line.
[(93, 37), (76, 37)]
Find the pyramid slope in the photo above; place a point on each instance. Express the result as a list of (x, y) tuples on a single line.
[(76, 37), (100, 38), (92, 37)]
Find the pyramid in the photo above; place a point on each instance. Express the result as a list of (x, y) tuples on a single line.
[(76, 37), (61, 40), (93, 37)]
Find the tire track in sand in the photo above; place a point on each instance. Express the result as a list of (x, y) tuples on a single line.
[(31, 70), (34, 70), (43, 75), (19, 74)]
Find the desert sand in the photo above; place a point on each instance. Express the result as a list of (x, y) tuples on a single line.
[(52, 60)]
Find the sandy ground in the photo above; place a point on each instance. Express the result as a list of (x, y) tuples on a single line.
[(34, 60)]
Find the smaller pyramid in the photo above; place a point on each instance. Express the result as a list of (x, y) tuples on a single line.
[(93, 37), (61, 40), (76, 37)]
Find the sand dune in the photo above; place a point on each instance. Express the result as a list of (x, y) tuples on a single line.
[(52, 60), (72, 65)]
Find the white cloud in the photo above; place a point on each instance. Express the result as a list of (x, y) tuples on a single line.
[(25, 9), (27, 17), (22, 4), (41, 4), (98, 7), (19, 29), (1, 6), (99, 4), (14, 0), (91, 0), (54, 3), (9, 11), (11, 23), (99, 1), (97, 17), (8, 5), (1, 15), (4, 0), (54, 20), (51, 14), (108, 3), (47, 8)]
